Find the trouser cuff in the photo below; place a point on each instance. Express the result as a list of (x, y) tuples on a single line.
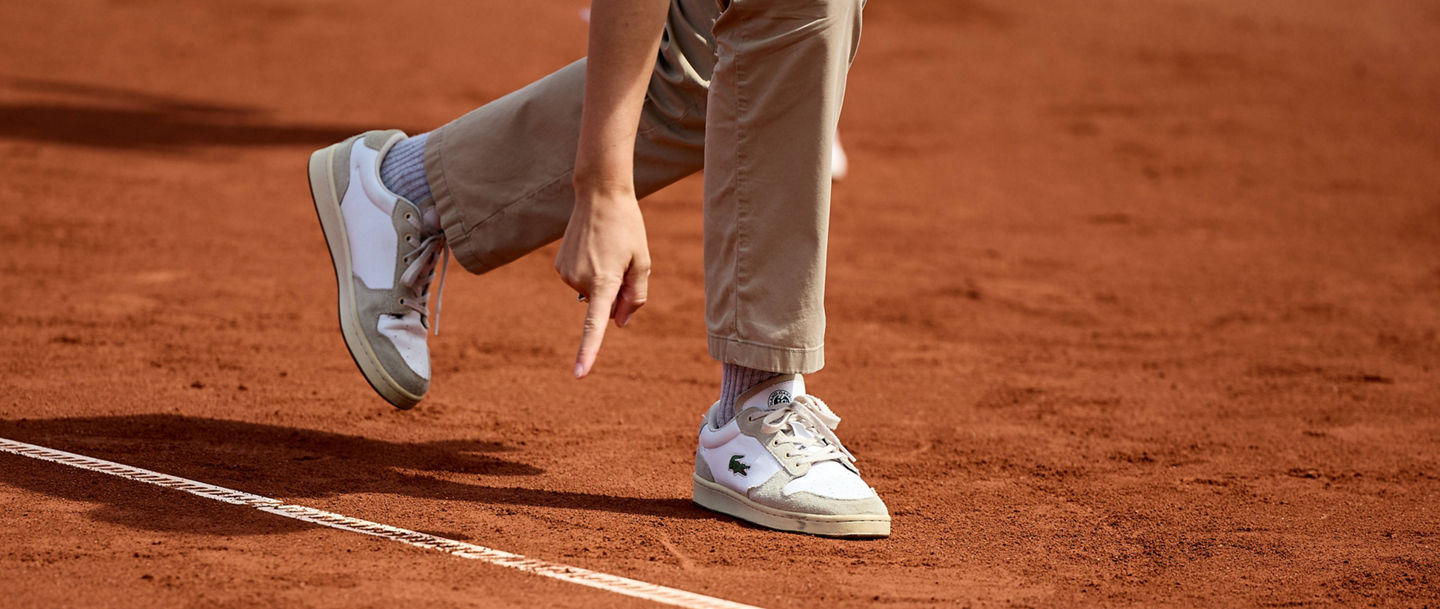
[(458, 233), (789, 360)]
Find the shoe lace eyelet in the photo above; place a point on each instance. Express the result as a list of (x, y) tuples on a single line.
[(409, 239), (407, 215), (402, 302)]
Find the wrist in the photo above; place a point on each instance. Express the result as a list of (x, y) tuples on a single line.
[(591, 185)]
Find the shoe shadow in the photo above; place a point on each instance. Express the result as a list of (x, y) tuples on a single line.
[(110, 117), (286, 463)]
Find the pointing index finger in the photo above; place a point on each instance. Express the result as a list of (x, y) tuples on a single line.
[(596, 316)]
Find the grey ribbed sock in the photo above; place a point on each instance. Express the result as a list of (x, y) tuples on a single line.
[(735, 380), (403, 170)]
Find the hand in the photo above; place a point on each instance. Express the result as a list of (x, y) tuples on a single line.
[(605, 257)]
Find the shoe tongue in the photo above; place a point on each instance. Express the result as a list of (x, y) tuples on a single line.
[(769, 394)]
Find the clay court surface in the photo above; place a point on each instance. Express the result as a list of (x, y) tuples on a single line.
[(1132, 303)]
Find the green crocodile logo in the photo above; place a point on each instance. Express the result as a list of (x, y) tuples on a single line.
[(738, 467)]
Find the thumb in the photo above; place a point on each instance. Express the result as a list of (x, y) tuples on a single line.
[(633, 292)]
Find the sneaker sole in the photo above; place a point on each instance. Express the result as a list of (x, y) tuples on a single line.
[(327, 207), (719, 498)]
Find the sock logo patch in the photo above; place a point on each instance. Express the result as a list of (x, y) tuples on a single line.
[(779, 396), (738, 467)]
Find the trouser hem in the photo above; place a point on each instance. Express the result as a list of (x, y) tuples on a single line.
[(787, 360), (458, 232)]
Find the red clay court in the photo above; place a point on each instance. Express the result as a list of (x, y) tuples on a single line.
[(1131, 304)]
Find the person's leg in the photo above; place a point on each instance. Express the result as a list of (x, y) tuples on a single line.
[(770, 455), (774, 104), (501, 175), (500, 178)]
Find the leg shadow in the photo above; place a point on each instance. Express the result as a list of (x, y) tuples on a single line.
[(287, 463), (110, 117)]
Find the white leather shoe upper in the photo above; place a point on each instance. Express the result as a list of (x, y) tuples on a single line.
[(368, 209), (408, 335), (744, 456)]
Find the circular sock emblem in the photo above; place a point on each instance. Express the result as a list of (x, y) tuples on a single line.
[(779, 396)]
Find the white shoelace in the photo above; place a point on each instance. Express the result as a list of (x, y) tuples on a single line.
[(806, 426), (433, 250)]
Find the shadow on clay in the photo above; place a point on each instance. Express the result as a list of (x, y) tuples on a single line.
[(110, 117), (286, 463)]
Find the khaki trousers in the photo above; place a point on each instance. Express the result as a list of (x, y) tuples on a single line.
[(748, 90)]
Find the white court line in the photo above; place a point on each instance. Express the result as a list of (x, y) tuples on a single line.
[(574, 575)]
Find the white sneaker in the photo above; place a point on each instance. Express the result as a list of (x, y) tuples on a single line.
[(385, 251), (778, 464)]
